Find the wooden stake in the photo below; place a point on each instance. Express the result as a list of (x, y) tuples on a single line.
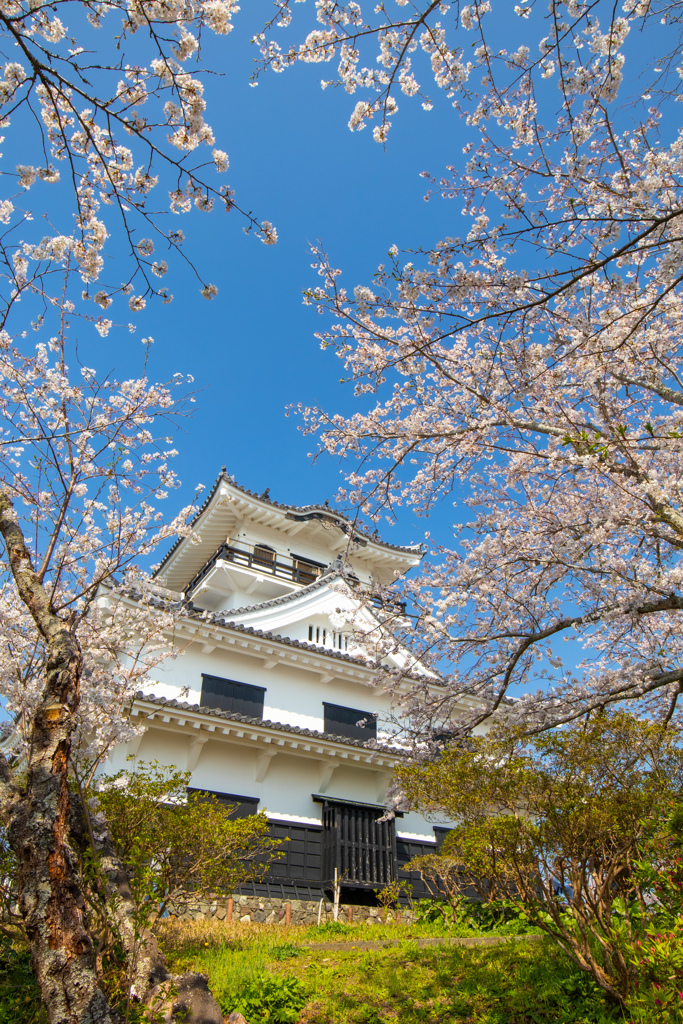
[(231, 903), (337, 895), (288, 913)]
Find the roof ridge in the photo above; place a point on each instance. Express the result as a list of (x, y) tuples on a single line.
[(286, 598), (225, 477), (266, 723)]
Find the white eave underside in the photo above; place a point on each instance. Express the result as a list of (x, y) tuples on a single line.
[(229, 507)]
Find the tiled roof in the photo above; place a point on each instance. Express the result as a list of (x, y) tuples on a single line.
[(186, 608), (222, 619), (288, 598), (302, 509), (265, 723)]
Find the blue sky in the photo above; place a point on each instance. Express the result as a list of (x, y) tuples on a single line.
[(252, 350)]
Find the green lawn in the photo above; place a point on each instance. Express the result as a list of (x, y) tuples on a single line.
[(273, 975), (516, 983)]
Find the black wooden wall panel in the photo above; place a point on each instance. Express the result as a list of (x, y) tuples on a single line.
[(302, 861), (406, 849), (243, 806)]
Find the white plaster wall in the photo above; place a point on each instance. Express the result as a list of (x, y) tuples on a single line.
[(287, 789), (294, 696), (168, 748)]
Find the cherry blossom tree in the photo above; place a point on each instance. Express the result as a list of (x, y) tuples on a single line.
[(532, 366), (82, 459), (98, 100)]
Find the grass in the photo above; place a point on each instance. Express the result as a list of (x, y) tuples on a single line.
[(272, 975), (515, 983)]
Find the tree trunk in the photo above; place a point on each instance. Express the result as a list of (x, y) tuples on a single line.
[(184, 997), (50, 897), (147, 964), (40, 829)]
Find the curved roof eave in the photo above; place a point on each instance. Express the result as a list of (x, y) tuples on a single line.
[(266, 723), (295, 513)]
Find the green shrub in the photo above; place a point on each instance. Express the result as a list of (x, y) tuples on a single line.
[(658, 957), (269, 997), (505, 917), (180, 847), (563, 822), (20, 1001), (285, 952)]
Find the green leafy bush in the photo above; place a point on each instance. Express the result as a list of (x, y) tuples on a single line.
[(287, 951), (178, 846), (568, 826), (20, 1001), (502, 916), (658, 957), (269, 997)]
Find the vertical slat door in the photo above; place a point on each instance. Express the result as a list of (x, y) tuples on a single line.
[(362, 849)]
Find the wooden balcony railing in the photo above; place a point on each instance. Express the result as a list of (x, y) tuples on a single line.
[(261, 559)]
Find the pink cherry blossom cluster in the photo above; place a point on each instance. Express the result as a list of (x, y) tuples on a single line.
[(85, 461), (531, 367), (118, 132)]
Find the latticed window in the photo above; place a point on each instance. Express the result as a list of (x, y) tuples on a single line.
[(342, 721), (305, 570), (328, 637), (361, 848), (231, 695), (264, 555)]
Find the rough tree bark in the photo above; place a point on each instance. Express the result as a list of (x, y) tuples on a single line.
[(39, 823), (37, 819)]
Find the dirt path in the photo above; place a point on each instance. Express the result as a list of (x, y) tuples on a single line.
[(470, 940)]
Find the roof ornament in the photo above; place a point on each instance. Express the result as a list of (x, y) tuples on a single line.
[(337, 565), (266, 494)]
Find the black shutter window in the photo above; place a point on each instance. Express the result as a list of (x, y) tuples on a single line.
[(243, 806), (230, 695), (343, 721), (440, 834)]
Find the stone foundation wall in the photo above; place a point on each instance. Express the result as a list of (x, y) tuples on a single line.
[(264, 910)]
